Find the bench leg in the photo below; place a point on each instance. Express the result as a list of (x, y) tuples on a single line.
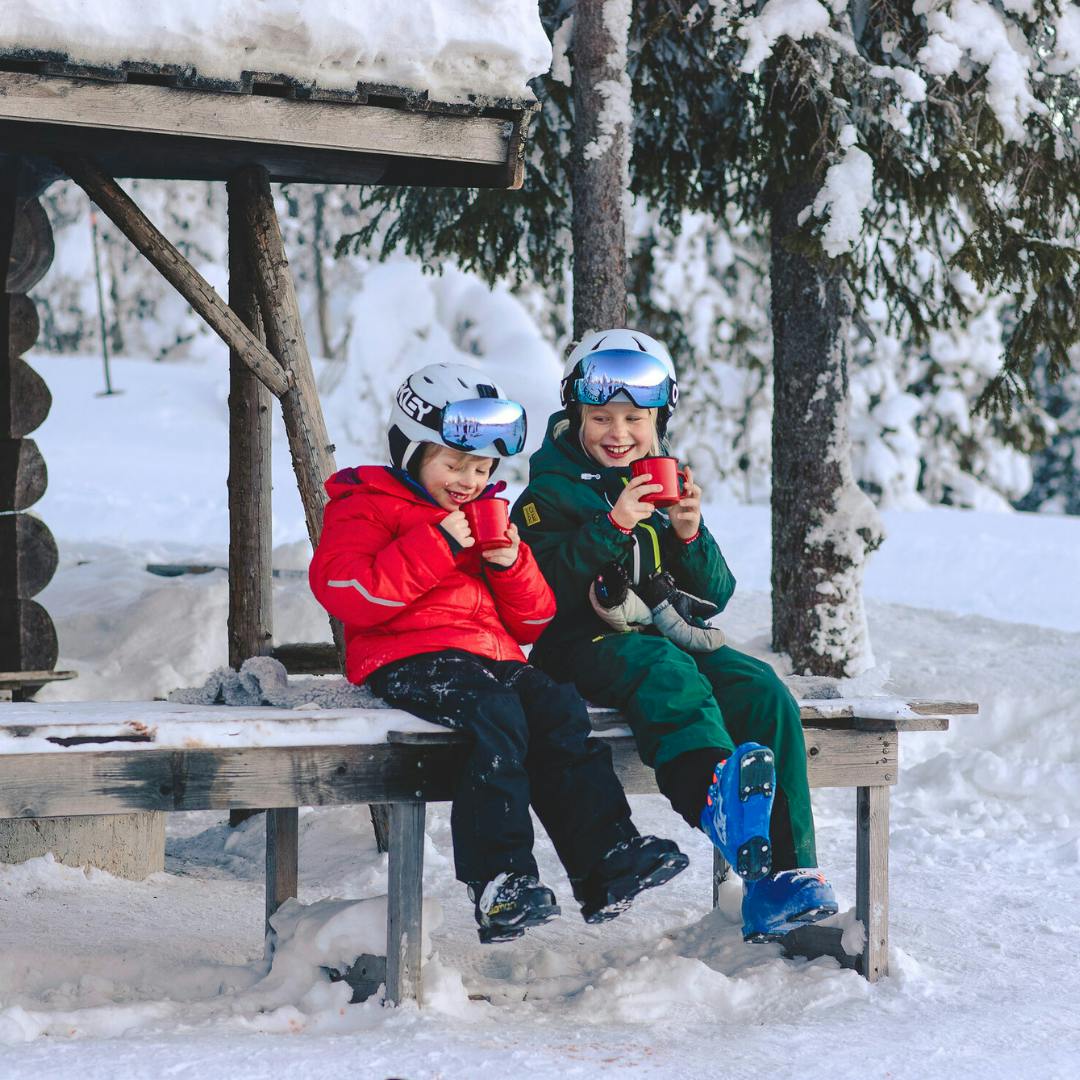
[(281, 858), (720, 870), (872, 878), (405, 900)]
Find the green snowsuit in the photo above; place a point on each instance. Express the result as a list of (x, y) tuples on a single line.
[(686, 710)]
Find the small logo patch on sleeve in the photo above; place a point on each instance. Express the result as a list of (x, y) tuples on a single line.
[(530, 513)]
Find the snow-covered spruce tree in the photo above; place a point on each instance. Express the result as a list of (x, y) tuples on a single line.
[(914, 438), (829, 124), (833, 123)]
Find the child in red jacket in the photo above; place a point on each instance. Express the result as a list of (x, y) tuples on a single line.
[(434, 626)]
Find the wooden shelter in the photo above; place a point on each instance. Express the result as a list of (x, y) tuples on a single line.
[(138, 120)]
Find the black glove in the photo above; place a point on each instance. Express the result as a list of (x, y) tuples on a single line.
[(611, 586), (692, 609)]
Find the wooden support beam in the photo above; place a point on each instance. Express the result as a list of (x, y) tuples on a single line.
[(872, 878), (250, 540), (405, 903), (312, 452), (250, 626), (282, 862), (253, 119), (187, 281)]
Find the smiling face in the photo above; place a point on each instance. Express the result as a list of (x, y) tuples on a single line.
[(452, 478), (618, 432)]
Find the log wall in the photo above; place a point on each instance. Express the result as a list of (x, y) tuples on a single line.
[(28, 554)]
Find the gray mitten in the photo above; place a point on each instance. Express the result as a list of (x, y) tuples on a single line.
[(615, 602), (680, 616)]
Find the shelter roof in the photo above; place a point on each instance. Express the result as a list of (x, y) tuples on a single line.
[(139, 119)]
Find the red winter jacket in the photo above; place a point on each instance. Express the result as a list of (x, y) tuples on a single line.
[(387, 571)]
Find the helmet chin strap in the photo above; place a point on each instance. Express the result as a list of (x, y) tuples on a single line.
[(410, 452)]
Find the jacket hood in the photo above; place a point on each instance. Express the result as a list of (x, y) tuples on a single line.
[(561, 452), (389, 481)]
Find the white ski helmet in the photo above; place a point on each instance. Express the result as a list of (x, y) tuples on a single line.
[(455, 406), (622, 364)]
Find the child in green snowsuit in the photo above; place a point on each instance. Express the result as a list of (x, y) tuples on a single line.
[(585, 517)]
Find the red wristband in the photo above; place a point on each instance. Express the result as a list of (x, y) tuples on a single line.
[(625, 532), (692, 538)]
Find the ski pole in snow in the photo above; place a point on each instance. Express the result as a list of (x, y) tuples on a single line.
[(101, 305)]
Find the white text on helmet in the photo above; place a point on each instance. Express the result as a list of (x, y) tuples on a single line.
[(415, 406)]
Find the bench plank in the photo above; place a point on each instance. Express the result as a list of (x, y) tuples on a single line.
[(117, 780), (32, 727), (872, 878)]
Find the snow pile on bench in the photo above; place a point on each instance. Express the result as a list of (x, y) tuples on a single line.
[(451, 48)]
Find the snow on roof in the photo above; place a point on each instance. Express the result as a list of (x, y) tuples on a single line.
[(453, 49)]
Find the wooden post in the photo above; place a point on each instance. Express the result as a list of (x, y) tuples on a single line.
[(250, 540), (281, 858), (250, 630), (405, 903), (872, 878), (187, 281), (312, 452)]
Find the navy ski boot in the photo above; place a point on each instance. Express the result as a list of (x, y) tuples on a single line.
[(509, 904), (637, 864), (775, 905), (738, 807)]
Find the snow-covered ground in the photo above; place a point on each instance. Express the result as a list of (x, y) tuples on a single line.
[(101, 977)]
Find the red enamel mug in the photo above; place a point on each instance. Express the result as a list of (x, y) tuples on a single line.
[(489, 520), (665, 471)]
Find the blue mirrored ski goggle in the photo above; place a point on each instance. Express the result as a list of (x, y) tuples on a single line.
[(478, 423), (640, 376)]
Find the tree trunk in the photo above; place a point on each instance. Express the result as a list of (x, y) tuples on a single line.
[(601, 163), (823, 525)]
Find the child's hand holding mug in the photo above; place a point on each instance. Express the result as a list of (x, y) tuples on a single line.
[(505, 556), (456, 526), (630, 507), (685, 515)]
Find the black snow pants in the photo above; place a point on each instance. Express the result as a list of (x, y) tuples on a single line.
[(531, 746)]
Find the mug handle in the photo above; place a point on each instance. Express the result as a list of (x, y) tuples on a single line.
[(682, 481)]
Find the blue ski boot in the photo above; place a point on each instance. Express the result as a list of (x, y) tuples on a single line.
[(738, 807), (784, 901)]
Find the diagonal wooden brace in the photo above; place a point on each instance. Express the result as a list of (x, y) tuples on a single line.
[(187, 281), (312, 452)]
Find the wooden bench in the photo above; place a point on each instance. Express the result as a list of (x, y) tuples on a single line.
[(114, 757)]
